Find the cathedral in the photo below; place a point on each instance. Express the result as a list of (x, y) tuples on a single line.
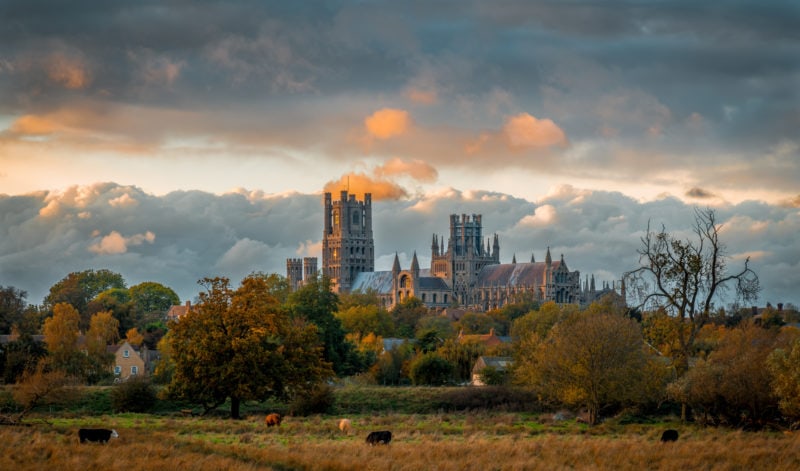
[(464, 271)]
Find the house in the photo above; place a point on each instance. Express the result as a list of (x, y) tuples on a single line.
[(498, 363), (178, 311), (129, 362)]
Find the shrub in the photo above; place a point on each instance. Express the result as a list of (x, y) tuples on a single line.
[(134, 395), (318, 400), (431, 369), (492, 376)]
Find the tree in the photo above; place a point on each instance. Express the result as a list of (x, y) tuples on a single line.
[(79, 288), (406, 314), (12, 308), (42, 386), (431, 369), (462, 355), (21, 356), (784, 364), (317, 303), (103, 331), (61, 337), (117, 301), (362, 320), (687, 277), (241, 345), (593, 360), (134, 337), (151, 301), (734, 384)]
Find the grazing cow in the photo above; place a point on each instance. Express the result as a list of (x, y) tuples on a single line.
[(379, 438), (670, 435), (344, 426), (273, 419), (99, 435)]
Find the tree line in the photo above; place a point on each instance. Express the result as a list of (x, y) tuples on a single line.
[(669, 344)]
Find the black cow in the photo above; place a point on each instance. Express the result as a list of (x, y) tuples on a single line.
[(100, 435), (670, 435), (378, 438)]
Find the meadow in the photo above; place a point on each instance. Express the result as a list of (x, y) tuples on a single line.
[(439, 441)]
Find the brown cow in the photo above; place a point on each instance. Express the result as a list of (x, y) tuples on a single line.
[(273, 419)]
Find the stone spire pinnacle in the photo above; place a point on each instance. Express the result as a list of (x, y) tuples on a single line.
[(415, 265), (547, 258), (396, 265)]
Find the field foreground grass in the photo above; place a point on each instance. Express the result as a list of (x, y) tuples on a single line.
[(484, 441)]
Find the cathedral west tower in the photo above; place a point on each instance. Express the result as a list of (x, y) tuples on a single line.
[(347, 243)]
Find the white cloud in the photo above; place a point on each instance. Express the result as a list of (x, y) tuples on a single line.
[(115, 243)]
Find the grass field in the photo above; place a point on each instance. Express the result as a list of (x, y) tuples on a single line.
[(439, 441)]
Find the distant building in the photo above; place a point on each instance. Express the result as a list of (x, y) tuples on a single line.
[(464, 271), (300, 270), (177, 311), (501, 364)]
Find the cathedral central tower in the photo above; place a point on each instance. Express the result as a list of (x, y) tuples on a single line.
[(347, 244)]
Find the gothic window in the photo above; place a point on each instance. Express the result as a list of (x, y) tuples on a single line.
[(404, 282), (336, 218)]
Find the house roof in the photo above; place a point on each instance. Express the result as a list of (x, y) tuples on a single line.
[(500, 363), (514, 274), (4, 339), (179, 310)]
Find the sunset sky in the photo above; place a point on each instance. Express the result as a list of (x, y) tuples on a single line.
[(170, 141)]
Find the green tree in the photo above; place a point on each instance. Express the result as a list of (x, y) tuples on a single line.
[(151, 301), (431, 369), (117, 301), (362, 320), (406, 314), (241, 345), (78, 288), (317, 303), (462, 355), (12, 308), (20, 356), (593, 360)]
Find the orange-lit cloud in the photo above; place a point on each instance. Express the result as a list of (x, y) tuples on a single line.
[(70, 72), (416, 169), (387, 122), (33, 125), (526, 131), (116, 243), (359, 183), (422, 96)]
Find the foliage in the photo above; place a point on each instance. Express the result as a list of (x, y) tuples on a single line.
[(240, 344), (475, 323), (134, 337), (431, 369), (734, 385), (61, 337), (492, 376), (20, 356), (406, 314), (784, 364), (316, 303), (462, 355), (687, 277), (362, 320), (134, 395), (151, 297), (78, 288), (117, 302), (317, 400), (42, 386), (391, 368), (593, 360), (12, 308)]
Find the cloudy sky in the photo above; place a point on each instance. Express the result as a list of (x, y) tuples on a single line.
[(171, 140)]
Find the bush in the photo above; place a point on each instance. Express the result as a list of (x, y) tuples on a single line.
[(318, 400), (432, 370), (491, 398), (492, 376), (134, 395)]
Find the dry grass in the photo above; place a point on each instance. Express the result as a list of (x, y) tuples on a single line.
[(421, 442)]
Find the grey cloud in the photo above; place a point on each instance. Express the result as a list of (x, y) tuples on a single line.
[(199, 234)]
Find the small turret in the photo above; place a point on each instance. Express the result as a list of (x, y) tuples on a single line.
[(434, 246), (396, 265), (533, 260), (415, 265), (514, 259), (547, 258)]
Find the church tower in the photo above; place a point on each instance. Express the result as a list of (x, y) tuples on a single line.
[(347, 244)]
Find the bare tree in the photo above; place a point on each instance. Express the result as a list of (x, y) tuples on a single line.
[(686, 277)]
